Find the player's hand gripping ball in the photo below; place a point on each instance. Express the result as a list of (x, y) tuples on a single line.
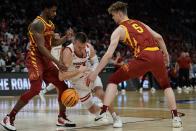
[(70, 97)]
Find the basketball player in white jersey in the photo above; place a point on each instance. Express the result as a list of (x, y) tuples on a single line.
[(80, 58), (56, 53)]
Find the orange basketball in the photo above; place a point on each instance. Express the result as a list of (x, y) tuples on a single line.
[(70, 97)]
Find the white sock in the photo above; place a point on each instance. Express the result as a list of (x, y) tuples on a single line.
[(48, 88)]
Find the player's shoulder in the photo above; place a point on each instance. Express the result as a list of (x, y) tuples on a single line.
[(68, 48), (37, 26), (119, 30)]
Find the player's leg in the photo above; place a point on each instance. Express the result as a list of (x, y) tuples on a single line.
[(133, 69), (187, 79), (45, 90), (180, 81), (142, 82), (98, 91), (151, 82), (51, 76), (87, 101), (117, 122), (89, 104), (160, 73), (123, 91), (35, 73)]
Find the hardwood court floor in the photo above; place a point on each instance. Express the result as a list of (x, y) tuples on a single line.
[(139, 112)]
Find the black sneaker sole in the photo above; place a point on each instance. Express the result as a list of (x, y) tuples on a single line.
[(67, 125)]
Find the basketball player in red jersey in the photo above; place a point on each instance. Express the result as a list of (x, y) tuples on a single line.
[(40, 65), (149, 51)]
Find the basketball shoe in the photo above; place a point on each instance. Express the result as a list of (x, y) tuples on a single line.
[(8, 123), (64, 121), (102, 118), (117, 122), (176, 122)]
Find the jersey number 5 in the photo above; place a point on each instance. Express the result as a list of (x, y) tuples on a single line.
[(138, 28)]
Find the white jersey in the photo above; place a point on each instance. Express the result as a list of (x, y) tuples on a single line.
[(78, 61), (56, 51)]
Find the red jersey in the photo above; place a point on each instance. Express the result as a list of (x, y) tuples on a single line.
[(184, 62), (138, 37), (48, 33)]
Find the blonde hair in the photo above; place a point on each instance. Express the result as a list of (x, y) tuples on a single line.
[(118, 6)]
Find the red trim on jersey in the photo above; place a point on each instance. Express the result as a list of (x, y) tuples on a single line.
[(69, 49), (83, 99)]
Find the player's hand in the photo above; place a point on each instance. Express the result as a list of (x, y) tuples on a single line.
[(91, 78), (83, 69), (69, 33)]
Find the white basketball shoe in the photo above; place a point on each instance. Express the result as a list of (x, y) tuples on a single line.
[(117, 122), (8, 124), (176, 122)]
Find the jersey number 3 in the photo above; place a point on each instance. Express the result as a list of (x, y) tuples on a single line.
[(138, 28)]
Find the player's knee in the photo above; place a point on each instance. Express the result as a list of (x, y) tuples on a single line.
[(99, 92)]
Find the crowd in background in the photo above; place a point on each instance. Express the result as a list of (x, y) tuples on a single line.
[(175, 21)]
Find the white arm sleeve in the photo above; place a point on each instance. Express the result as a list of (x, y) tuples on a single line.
[(94, 61)]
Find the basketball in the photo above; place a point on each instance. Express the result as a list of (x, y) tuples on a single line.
[(70, 97)]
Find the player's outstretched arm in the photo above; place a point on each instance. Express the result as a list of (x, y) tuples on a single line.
[(114, 40), (115, 37)]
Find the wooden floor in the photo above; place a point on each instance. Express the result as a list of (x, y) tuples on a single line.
[(139, 112)]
